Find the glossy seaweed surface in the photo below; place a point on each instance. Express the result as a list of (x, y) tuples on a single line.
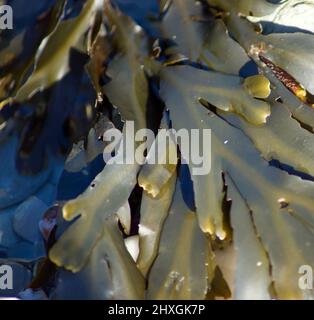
[(73, 225)]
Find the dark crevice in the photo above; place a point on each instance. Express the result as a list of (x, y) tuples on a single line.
[(279, 99), (135, 200), (303, 125), (187, 187), (155, 106), (219, 113), (290, 170), (273, 28), (226, 209), (218, 287)]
